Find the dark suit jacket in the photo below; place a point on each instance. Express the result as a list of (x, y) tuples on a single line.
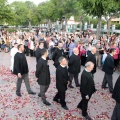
[(20, 64), (91, 58), (108, 66), (116, 91), (87, 86), (62, 78), (74, 64), (38, 53), (57, 53), (42, 72)]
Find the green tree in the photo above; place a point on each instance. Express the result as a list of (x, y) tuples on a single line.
[(24, 13), (64, 9), (6, 14), (97, 8), (112, 12)]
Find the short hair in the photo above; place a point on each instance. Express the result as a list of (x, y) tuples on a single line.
[(112, 50), (19, 46), (15, 43), (43, 51), (60, 59), (41, 42), (59, 42), (88, 64)]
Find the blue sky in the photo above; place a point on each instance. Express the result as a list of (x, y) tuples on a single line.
[(35, 1)]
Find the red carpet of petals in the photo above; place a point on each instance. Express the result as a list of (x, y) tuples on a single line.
[(30, 107)]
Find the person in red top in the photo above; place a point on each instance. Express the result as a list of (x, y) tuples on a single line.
[(116, 56)]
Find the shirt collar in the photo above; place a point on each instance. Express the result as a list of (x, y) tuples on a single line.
[(76, 54), (43, 58), (111, 55), (86, 70), (19, 51), (62, 66)]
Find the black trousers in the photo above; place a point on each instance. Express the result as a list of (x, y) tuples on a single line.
[(75, 76), (26, 50), (83, 105), (108, 79), (61, 95), (116, 62), (116, 112), (31, 53), (83, 60)]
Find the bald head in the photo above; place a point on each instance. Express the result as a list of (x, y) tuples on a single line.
[(93, 50), (75, 51), (89, 66)]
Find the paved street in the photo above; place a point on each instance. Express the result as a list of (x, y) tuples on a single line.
[(30, 107)]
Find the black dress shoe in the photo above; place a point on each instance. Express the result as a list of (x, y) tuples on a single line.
[(77, 85), (88, 117), (104, 87), (39, 95), (70, 86), (65, 107), (47, 103), (56, 101), (18, 94), (32, 93), (79, 108), (111, 92)]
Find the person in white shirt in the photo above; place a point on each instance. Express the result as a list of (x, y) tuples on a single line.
[(14, 50), (32, 47), (104, 56)]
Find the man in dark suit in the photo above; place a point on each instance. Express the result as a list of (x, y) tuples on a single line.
[(21, 70), (91, 58), (59, 52), (87, 88), (43, 75), (38, 51), (74, 67), (109, 68), (116, 97), (61, 82)]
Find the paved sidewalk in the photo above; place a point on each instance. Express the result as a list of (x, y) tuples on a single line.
[(30, 107)]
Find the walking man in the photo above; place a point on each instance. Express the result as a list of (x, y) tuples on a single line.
[(109, 68), (116, 97), (91, 58), (87, 88), (59, 52), (74, 67), (21, 70), (61, 82), (43, 75)]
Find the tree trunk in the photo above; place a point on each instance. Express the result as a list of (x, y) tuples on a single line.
[(30, 27), (108, 26), (99, 27), (49, 24), (65, 23)]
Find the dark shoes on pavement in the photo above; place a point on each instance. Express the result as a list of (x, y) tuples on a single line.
[(18, 94), (47, 103), (87, 117), (65, 107), (39, 95), (78, 85), (70, 86), (104, 87), (32, 93), (79, 108), (57, 101)]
